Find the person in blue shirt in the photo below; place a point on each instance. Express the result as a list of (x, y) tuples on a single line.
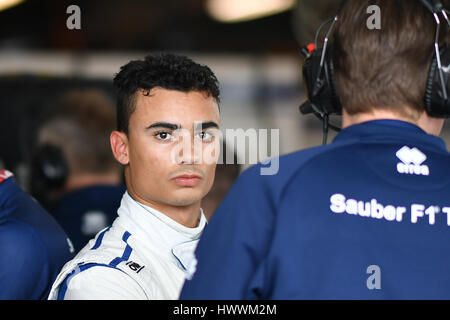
[(33, 247), (74, 174), (367, 216)]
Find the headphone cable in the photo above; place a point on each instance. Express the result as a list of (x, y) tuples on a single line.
[(325, 128)]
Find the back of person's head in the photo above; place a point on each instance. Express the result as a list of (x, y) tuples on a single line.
[(167, 71), (385, 68), (80, 126)]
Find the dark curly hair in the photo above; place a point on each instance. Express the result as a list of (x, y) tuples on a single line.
[(168, 71)]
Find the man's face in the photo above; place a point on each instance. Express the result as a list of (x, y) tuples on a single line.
[(162, 165)]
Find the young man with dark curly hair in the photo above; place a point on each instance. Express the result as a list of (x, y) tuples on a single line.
[(167, 118)]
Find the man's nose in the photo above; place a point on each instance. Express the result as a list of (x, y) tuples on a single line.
[(190, 152)]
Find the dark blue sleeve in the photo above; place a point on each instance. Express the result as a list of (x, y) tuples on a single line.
[(235, 242), (24, 263)]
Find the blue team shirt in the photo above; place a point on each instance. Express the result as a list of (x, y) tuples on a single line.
[(365, 217), (84, 212), (33, 247)]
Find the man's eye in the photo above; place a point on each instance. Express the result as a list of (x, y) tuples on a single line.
[(205, 136), (164, 136)]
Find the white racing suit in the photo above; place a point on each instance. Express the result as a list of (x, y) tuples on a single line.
[(143, 255)]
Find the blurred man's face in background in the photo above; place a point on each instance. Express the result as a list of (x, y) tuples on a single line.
[(162, 165), (226, 174)]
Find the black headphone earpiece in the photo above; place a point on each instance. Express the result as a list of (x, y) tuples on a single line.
[(320, 84), (49, 171), (437, 104)]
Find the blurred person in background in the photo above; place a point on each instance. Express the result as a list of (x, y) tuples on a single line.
[(226, 174), (74, 173), (33, 247), (166, 139)]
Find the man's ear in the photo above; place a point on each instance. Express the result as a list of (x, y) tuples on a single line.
[(119, 146)]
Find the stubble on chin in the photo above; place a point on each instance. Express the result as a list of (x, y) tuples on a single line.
[(183, 202)]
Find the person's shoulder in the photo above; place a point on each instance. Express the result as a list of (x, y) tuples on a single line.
[(23, 244), (100, 282), (298, 158), (19, 206), (20, 239), (94, 273), (25, 265), (279, 169), (25, 223), (267, 181)]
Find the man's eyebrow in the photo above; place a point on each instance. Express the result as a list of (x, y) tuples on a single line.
[(205, 125), (166, 125)]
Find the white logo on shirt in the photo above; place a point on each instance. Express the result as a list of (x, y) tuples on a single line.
[(412, 160), (93, 222)]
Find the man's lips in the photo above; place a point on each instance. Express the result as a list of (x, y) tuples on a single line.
[(187, 180)]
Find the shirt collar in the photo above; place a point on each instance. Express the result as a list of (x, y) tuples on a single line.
[(5, 174), (8, 186), (149, 222), (380, 130)]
